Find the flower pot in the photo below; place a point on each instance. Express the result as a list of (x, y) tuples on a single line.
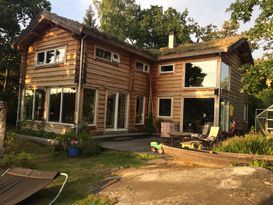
[(74, 152)]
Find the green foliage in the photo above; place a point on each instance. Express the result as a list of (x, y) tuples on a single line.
[(90, 148), (37, 133), (243, 10), (89, 19), (146, 28), (13, 16), (261, 163), (250, 144), (95, 200)]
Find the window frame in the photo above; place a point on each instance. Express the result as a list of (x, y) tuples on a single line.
[(217, 79), (229, 75), (61, 106), (158, 107), (33, 105), (45, 55), (95, 103), (163, 72), (143, 66), (104, 59), (143, 110)]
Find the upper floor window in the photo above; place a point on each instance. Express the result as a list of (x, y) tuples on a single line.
[(225, 76), (50, 56), (107, 55), (142, 66), (201, 74), (166, 68)]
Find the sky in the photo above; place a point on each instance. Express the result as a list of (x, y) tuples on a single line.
[(202, 11)]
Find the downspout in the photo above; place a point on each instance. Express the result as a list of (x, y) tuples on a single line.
[(19, 95), (79, 86), (219, 91)]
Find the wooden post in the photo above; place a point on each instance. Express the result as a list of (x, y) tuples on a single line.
[(3, 116)]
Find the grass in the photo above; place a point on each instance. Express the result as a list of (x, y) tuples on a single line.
[(250, 144), (83, 172)]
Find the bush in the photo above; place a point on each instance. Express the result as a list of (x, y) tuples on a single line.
[(21, 159), (90, 148), (250, 144), (37, 133)]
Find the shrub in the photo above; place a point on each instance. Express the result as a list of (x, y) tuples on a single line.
[(250, 144), (37, 133), (21, 159)]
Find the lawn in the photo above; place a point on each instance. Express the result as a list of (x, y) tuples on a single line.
[(83, 172)]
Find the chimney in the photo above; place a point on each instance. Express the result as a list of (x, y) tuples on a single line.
[(172, 40)]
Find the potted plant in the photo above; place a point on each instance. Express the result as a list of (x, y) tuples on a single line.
[(74, 147)]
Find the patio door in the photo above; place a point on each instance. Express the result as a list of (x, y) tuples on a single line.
[(117, 111), (224, 115)]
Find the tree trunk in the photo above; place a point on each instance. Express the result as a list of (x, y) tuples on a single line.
[(3, 116)]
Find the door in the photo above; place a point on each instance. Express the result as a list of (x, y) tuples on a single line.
[(117, 111)]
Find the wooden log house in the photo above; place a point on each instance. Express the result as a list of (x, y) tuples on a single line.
[(73, 75)]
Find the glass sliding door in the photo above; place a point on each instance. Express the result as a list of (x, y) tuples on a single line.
[(224, 115), (116, 114), (111, 109)]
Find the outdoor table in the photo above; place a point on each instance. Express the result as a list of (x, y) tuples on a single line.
[(180, 136)]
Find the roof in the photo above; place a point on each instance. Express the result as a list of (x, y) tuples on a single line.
[(226, 45), (46, 18)]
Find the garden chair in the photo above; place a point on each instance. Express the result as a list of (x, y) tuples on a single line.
[(165, 129), (17, 184), (203, 142), (204, 133)]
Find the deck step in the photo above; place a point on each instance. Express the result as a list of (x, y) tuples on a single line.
[(119, 136)]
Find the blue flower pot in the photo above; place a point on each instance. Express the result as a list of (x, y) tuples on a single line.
[(74, 152)]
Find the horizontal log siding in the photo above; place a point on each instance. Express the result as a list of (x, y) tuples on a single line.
[(106, 77), (53, 75), (235, 97)]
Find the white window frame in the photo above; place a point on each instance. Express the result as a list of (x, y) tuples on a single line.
[(158, 106), (116, 113), (61, 107), (143, 109), (33, 104), (217, 78), (162, 72), (96, 104), (117, 61), (45, 53), (229, 74), (143, 66), (245, 112)]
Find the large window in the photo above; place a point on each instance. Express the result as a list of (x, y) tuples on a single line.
[(140, 103), (142, 67), (89, 106), (165, 107), (51, 56), (34, 101), (62, 105), (225, 76), (107, 55), (201, 74), (166, 68), (197, 113)]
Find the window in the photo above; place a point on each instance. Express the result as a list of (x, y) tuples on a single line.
[(142, 66), (62, 105), (245, 112), (165, 107), (107, 55), (34, 101), (201, 74), (51, 56), (225, 76), (166, 68), (140, 110), (89, 106)]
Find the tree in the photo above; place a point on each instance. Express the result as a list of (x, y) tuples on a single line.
[(14, 15), (89, 19), (243, 10)]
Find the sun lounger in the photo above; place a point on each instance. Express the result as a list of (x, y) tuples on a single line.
[(17, 184)]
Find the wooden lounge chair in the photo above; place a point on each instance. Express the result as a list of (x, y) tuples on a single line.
[(200, 142), (17, 184), (204, 133)]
